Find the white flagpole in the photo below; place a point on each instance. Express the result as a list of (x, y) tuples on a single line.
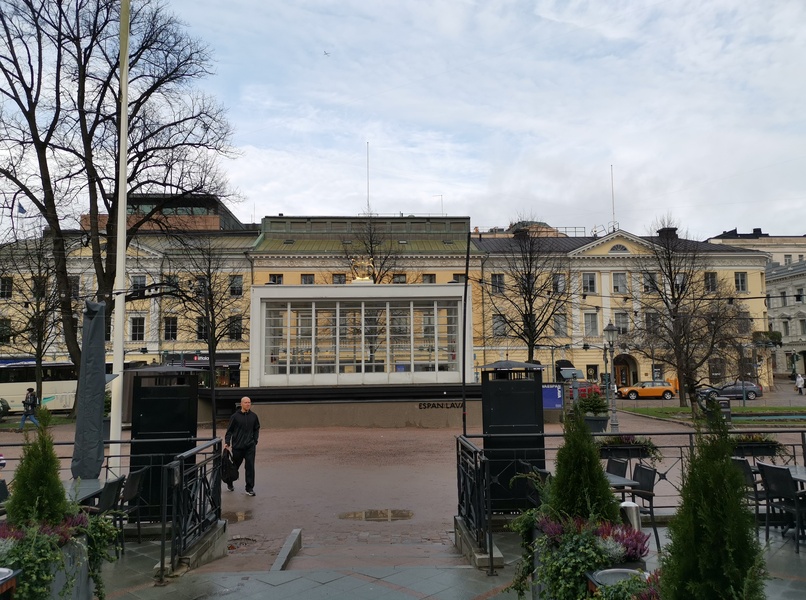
[(120, 284)]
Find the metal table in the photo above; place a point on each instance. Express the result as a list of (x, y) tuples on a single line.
[(83, 490)]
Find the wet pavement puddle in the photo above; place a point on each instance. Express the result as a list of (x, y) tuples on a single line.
[(378, 514)]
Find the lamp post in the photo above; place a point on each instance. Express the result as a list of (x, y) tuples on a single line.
[(610, 333)]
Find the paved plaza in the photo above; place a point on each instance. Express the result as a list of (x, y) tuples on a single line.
[(328, 482), (375, 508)]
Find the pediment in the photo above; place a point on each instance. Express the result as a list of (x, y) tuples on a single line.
[(617, 244)]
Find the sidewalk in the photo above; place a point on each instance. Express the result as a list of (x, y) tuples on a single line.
[(326, 482)]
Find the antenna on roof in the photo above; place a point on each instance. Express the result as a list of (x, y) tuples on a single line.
[(612, 195)]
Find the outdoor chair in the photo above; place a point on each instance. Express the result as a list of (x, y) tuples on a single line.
[(616, 466), (782, 494), (3, 497), (108, 502), (130, 503), (754, 489), (645, 490)]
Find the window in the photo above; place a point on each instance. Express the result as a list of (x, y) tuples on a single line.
[(619, 283), (138, 282), (428, 326), (652, 321), (5, 331), (800, 257), (785, 328), (39, 286), (200, 287), (307, 279), (399, 278), (787, 259), (710, 281), (783, 298), (138, 329), (680, 283), (799, 295), (429, 278), (201, 328), (170, 327), (745, 324), (236, 285), (740, 278), (235, 327), (6, 287), (589, 283), (500, 326), (339, 278), (276, 278), (171, 282), (622, 323), (802, 326), (74, 283), (650, 283), (558, 283), (561, 325), (591, 324), (497, 283), (458, 277)]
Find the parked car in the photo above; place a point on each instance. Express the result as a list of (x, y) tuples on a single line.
[(647, 389), (736, 390)]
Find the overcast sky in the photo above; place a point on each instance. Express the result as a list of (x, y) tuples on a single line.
[(506, 109)]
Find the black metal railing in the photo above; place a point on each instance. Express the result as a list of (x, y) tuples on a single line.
[(476, 481), (191, 499)]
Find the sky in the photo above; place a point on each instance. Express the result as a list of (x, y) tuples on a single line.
[(582, 114)]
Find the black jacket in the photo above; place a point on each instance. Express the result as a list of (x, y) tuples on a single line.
[(243, 430)]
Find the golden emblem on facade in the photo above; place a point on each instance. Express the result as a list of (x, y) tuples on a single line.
[(363, 268)]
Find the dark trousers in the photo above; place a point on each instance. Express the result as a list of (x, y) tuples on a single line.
[(240, 455)]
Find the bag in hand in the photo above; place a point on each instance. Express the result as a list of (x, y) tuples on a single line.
[(229, 474)]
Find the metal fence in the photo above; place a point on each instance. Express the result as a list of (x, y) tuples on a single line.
[(478, 474), (187, 502)]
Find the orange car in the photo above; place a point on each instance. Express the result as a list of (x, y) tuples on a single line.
[(647, 389)]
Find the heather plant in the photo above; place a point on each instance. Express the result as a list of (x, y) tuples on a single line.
[(714, 552)]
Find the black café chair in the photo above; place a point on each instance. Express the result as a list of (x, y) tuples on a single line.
[(617, 466), (782, 494), (645, 490), (754, 488), (130, 503), (108, 502)]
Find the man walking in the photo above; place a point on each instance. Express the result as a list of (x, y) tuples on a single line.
[(29, 408), (241, 439)]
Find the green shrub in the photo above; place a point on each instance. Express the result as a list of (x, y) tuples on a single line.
[(579, 487), (714, 551), (37, 495), (593, 403)]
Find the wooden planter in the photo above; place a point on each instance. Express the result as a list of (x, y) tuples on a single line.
[(627, 451)]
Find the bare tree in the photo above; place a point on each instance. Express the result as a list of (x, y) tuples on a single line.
[(212, 308), (30, 322), (60, 116), (531, 289), (686, 315), (371, 243)]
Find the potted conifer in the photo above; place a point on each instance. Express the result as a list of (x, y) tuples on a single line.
[(594, 411)]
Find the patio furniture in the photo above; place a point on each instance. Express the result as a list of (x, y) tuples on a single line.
[(754, 490), (645, 490), (782, 494), (130, 499)]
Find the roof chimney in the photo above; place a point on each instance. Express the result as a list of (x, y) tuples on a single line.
[(667, 233)]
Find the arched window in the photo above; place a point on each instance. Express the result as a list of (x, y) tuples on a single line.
[(618, 248)]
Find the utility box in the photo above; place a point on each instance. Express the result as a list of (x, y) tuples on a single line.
[(512, 416), (164, 407)]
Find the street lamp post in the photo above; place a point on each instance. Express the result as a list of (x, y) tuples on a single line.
[(610, 333)]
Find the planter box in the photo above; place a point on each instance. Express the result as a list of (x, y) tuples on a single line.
[(596, 424), (756, 449), (76, 570), (627, 451)]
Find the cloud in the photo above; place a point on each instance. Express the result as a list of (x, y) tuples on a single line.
[(494, 109)]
